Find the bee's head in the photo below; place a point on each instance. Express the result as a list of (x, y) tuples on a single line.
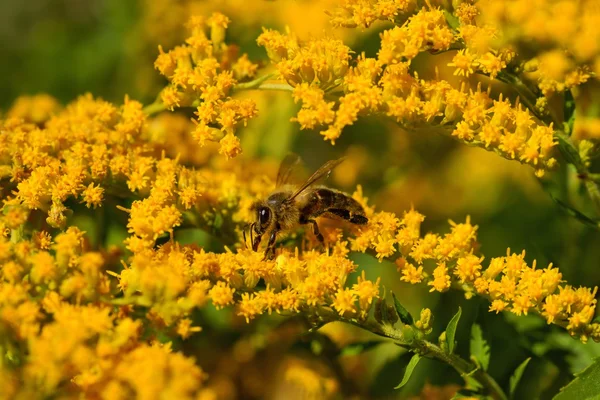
[(264, 216)]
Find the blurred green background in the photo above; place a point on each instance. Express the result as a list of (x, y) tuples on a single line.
[(107, 47)]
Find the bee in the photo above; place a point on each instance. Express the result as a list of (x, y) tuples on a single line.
[(289, 206)]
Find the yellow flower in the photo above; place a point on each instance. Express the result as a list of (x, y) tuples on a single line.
[(366, 291), (250, 306), (221, 295), (498, 306), (322, 62), (468, 268), (198, 77), (315, 110), (412, 274), (93, 196), (168, 373), (230, 146), (36, 109), (441, 279), (364, 13), (464, 62), (345, 300), (423, 31), (185, 328)]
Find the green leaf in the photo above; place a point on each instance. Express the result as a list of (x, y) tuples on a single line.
[(480, 350), (452, 20), (576, 354), (385, 317), (451, 330), (584, 219), (569, 112), (586, 384), (516, 376), (403, 313), (471, 383), (354, 349), (409, 370)]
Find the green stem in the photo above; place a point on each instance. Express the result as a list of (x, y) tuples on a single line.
[(154, 108), (594, 192), (423, 347), (571, 154), (254, 84), (462, 367), (258, 84), (262, 84), (275, 86)]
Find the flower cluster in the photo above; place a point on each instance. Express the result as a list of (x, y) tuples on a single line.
[(319, 62), (81, 153), (202, 74), (319, 71), (35, 109), (567, 33), (90, 142), (363, 13), (174, 280), (451, 260), (55, 300)]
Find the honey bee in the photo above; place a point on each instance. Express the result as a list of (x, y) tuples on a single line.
[(289, 206)]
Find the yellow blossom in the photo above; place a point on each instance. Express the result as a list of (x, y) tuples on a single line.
[(441, 279), (92, 196), (345, 300), (250, 306), (221, 295), (412, 274)]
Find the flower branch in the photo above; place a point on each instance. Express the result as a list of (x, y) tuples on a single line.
[(416, 342)]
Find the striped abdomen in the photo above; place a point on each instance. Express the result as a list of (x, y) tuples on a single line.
[(328, 201)]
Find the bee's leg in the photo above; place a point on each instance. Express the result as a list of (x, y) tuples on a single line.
[(270, 245), (315, 227)]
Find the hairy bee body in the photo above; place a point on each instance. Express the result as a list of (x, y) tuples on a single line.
[(289, 206), (310, 204), (322, 200)]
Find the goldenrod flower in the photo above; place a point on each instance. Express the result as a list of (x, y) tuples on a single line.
[(441, 279), (363, 13), (221, 295), (345, 300), (202, 75)]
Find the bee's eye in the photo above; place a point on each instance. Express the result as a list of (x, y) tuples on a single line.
[(264, 216)]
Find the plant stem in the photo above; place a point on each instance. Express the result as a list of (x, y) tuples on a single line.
[(262, 84), (258, 84), (571, 154), (422, 346), (254, 83), (276, 86), (154, 108), (462, 367)]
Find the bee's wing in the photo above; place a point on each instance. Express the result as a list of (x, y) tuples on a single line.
[(289, 163), (318, 174)]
